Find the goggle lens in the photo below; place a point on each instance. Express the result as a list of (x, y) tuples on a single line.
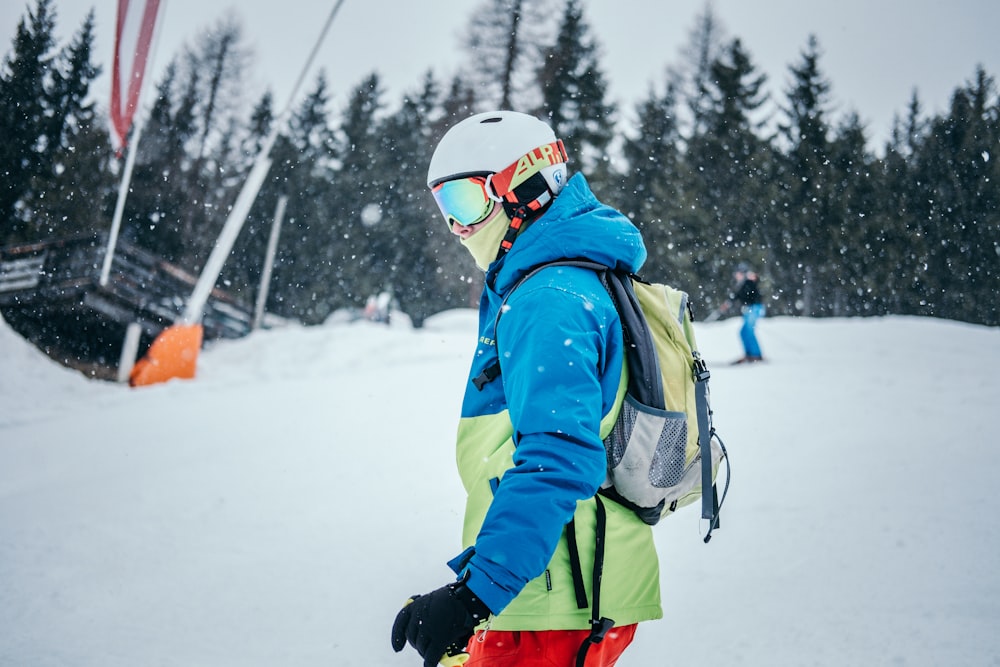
[(463, 200)]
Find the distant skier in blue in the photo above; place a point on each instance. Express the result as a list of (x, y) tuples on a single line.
[(747, 296)]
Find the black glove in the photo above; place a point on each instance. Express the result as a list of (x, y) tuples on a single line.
[(439, 623)]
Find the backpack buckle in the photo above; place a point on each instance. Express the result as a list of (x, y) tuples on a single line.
[(600, 628), (700, 370)]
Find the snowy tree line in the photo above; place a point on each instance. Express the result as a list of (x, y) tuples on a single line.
[(713, 166)]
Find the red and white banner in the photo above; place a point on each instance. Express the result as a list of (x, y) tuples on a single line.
[(133, 35)]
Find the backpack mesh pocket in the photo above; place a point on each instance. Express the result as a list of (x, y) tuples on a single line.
[(646, 452), (668, 464)]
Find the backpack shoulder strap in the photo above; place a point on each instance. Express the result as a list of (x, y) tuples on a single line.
[(645, 381)]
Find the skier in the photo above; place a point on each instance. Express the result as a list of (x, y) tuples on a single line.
[(746, 295), (529, 447)]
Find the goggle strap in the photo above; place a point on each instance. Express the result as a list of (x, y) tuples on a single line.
[(548, 155)]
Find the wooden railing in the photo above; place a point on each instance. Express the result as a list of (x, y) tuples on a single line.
[(141, 287)]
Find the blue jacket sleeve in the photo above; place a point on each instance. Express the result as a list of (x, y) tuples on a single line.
[(555, 360)]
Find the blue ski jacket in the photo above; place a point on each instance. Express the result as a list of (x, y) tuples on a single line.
[(529, 448)]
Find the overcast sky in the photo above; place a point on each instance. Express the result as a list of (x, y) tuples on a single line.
[(875, 52)]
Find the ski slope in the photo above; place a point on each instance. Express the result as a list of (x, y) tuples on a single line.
[(278, 509)]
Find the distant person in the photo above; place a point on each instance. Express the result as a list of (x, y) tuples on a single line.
[(539, 398), (746, 295), (378, 308)]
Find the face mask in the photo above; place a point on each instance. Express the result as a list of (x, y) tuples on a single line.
[(484, 244)]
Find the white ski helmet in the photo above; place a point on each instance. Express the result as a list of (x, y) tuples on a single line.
[(499, 142)]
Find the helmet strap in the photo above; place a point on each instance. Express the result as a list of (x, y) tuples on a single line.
[(523, 205)]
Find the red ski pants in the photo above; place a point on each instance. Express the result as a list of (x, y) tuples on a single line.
[(545, 648)]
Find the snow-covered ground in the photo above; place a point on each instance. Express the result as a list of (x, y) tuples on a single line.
[(278, 509)]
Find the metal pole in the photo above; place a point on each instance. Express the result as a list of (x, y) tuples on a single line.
[(116, 222), (272, 249), (130, 347)]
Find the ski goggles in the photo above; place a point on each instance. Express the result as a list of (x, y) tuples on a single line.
[(464, 200), (470, 200)]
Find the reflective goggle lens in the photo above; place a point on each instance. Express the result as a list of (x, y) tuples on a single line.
[(463, 200)]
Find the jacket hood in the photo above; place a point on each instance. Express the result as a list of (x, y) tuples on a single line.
[(576, 226)]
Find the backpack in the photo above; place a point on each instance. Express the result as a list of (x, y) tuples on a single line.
[(663, 451)]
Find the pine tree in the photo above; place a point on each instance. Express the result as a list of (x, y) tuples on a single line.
[(574, 96), (855, 205), (24, 87), (692, 78), (326, 258), (807, 260), (897, 244), (67, 96), (213, 72), (69, 196), (651, 193), (307, 278), (299, 171), (261, 121), (958, 163), (504, 41), (189, 169), (159, 198), (402, 234), (730, 168)]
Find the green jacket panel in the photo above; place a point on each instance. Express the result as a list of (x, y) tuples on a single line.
[(630, 590)]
